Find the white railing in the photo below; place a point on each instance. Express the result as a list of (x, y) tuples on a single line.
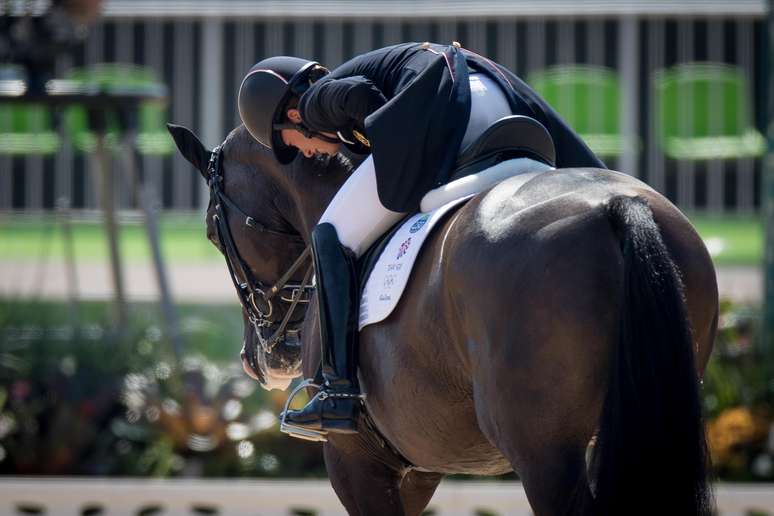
[(109, 497)]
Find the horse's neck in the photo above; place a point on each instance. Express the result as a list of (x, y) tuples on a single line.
[(306, 211), (293, 202), (312, 189), (299, 215)]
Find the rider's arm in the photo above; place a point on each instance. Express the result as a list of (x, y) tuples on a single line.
[(334, 104)]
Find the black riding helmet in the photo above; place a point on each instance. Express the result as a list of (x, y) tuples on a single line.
[(264, 93)]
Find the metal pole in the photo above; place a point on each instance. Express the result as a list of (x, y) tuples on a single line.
[(169, 312), (105, 177), (71, 270), (768, 191), (628, 61), (211, 83), (149, 207)]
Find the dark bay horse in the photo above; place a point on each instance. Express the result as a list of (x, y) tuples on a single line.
[(549, 309)]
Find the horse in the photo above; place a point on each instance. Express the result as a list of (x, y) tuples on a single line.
[(556, 325)]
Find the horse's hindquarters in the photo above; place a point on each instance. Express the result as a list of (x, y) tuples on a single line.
[(471, 333), (542, 374), (542, 312), (540, 364), (499, 353)]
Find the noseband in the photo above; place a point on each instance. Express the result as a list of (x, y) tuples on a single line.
[(256, 297)]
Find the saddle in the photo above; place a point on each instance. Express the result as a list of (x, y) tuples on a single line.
[(511, 146), (515, 136)]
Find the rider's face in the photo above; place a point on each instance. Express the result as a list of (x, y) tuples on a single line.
[(307, 146)]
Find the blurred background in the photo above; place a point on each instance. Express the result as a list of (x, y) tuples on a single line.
[(119, 327)]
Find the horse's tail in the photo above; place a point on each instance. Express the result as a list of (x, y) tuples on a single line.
[(651, 452)]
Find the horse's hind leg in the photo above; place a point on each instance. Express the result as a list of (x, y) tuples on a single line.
[(538, 401), (365, 484), (549, 459), (417, 489), (555, 481)]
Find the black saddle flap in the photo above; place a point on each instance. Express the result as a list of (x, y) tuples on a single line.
[(510, 137)]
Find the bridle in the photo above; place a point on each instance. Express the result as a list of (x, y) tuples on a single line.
[(256, 297)]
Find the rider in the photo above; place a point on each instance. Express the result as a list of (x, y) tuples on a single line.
[(413, 107)]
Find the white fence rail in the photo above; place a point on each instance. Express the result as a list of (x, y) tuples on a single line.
[(124, 497)]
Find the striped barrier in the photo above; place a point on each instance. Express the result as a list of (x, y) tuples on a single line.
[(224, 497)]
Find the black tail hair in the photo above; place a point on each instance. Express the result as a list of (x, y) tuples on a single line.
[(651, 451)]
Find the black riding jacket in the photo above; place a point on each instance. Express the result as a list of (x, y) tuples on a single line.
[(409, 105)]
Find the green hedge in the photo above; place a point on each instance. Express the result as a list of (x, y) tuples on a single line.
[(82, 399), (739, 398)]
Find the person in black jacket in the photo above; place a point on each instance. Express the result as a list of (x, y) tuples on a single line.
[(413, 107)]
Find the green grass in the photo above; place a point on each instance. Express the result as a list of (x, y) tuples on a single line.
[(182, 239), (733, 240), (214, 331)]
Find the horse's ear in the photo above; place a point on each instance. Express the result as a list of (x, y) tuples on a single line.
[(190, 147)]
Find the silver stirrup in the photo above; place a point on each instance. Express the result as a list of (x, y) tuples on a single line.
[(297, 431)]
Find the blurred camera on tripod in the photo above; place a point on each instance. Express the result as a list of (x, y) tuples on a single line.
[(33, 33)]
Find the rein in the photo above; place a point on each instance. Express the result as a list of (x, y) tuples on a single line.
[(255, 296)]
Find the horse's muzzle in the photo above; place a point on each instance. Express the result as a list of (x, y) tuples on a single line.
[(248, 369)]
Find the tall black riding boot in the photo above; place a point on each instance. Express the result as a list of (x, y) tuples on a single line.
[(336, 407)]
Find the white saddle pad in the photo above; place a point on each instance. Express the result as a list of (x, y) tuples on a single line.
[(390, 275)]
